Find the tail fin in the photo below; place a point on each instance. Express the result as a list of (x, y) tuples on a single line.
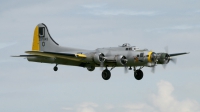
[(42, 40)]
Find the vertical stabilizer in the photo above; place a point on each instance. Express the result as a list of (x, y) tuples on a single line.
[(42, 40)]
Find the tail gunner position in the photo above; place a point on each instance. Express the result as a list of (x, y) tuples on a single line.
[(46, 50)]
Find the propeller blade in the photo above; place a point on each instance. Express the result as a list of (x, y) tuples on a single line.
[(125, 69), (173, 60), (164, 65), (153, 69), (166, 49), (101, 65)]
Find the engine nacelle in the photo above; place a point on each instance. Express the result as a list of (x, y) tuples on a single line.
[(99, 57), (151, 57), (121, 60), (163, 58)]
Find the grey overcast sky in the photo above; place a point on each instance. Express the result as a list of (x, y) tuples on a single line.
[(89, 24)]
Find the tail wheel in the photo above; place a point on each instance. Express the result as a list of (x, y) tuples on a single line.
[(106, 74), (55, 68), (138, 74)]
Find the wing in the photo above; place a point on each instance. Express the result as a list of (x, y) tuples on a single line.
[(69, 56), (176, 54)]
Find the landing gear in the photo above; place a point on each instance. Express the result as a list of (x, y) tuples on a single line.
[(106, 74), (90, 68), (138, 74), (55, 68)]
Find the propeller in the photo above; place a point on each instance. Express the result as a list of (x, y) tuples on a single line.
[(125, 69), (101, 65), (129, 54), (174, 60), (168, 58), (103, 58), (166, 49), (153, 69), (124, 61), (153, 64)]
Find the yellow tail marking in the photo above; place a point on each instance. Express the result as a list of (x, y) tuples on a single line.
[(149, 56), (36, 44)]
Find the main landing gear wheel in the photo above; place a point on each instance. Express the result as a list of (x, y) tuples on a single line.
[(55, 68), (106, 74), (138, 74)]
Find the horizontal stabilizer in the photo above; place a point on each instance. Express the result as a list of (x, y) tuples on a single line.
[(70, 56), (25, 56)]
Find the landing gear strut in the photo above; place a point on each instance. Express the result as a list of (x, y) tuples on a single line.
[(106, 74), (138, 74), (55, 68)]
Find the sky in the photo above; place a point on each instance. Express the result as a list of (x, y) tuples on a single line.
[(89, 24)]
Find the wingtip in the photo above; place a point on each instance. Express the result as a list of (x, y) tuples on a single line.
[(14, 56)]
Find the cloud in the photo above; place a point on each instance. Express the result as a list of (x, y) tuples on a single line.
[(67, 108), (185, 27), (198, 11), (178, 27), (138, 107), (84, 107), (109, 106), (164, 101), (87, 107), (123, 12), (91, 6), (107, 9)]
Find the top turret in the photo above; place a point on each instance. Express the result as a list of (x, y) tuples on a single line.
[(126, 45)]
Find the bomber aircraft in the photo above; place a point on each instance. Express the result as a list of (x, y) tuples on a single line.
[(46, 50)]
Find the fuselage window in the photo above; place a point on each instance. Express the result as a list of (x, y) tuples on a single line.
[(41, 31), (126, 48), (141, 54)]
